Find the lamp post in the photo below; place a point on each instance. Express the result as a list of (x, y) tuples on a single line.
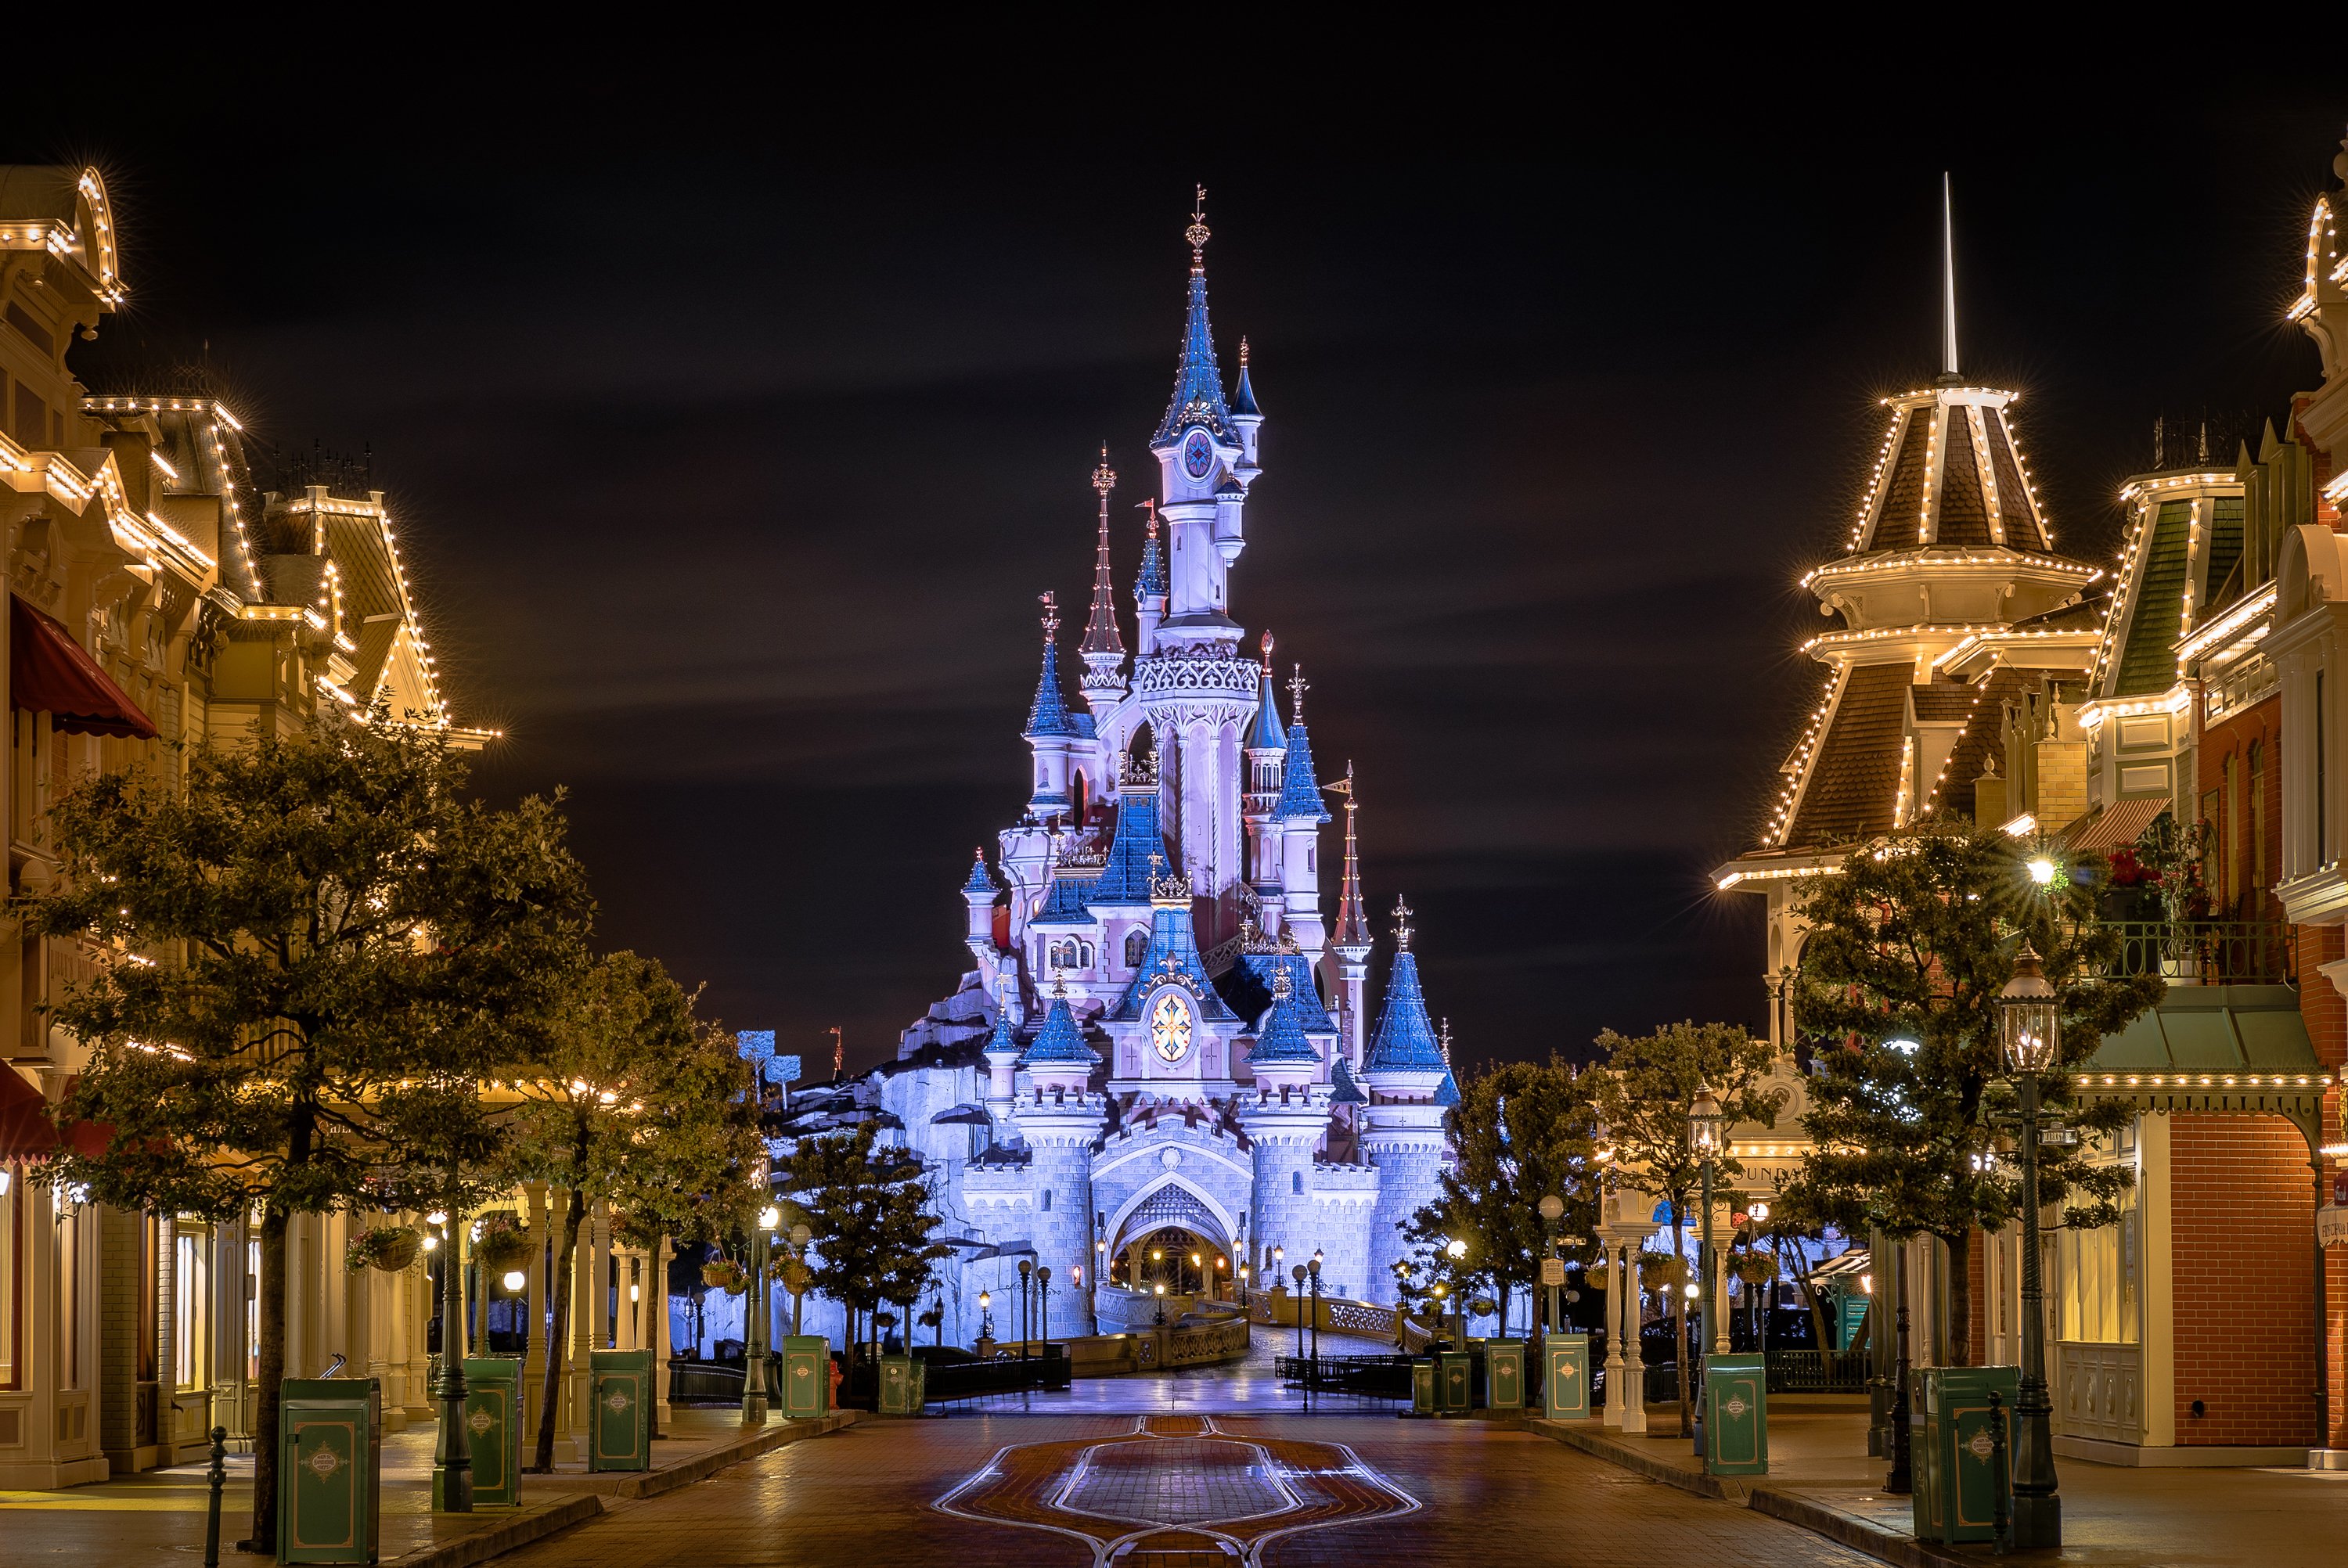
[(1160, 1290), (1279, 1258), (798, 1277), (1044, 1304), (1456, 1249), (986, 1315), (2027, 1024), (754, 1359), (452, 1455), (1552, 1209), (1312, 1275), (1026, 1320), (1705, 1125), (1298, 1274)]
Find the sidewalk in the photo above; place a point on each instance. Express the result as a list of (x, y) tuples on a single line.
[(158, 1516), (1820, 1478)]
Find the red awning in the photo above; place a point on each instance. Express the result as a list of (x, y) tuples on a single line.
[(2120, 823), (50, 673), (28, 1134)]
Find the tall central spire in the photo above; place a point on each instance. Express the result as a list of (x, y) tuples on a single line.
[(1197, 380), (1104, 646), (1353, 930), (1948, 284)]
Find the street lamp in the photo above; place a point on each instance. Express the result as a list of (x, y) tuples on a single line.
[(754, 1361), (798, 1278), (1312, 1275), (986, 1315), (1026, 1318), (452, 1455), (1160, 1318), (1044, 1304), (2028, 1027), (1706, 1125), (1456, 1249), (1298, 1275)]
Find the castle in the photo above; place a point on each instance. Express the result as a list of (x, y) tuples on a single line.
[(1164, 1046)]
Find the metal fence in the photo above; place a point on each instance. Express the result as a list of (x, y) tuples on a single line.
[(1363, 1376), (1817, 1371), (2209, 952)]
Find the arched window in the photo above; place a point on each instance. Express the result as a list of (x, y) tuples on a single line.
[(1084, 955), (1296, 1183), (1137, 948), (1047, 1199)]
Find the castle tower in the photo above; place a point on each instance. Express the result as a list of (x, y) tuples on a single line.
[(978, 924), (1284, 1121), (1149, 584), (1001, 1053), (1349, 944), (1049, 733), (1301, 815), (1267, 749), (1104, 646), (1058, 1120), (1402, 1132)]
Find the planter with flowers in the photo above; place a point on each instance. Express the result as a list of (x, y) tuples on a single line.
[(388, 1248)]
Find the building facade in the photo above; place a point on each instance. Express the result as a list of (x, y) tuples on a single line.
[(1165, 1042)]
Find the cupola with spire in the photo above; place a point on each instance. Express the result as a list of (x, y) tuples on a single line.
[(1266, 750), (1300, 813), (1282, 1057), (1050, 734), (1405, 1059), (1103, 649), (1058, 1058)]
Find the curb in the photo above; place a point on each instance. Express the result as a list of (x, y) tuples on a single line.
[(548, 1519), (1793, 1507)]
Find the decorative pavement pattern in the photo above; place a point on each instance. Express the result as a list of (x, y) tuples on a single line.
[(1177, 1490)]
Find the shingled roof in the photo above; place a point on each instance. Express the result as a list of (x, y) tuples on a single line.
[(1852, 789)]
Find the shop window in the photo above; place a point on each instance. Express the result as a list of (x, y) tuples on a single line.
[(11, 1230), (2258, 820), (70, 1293), (192, 1307), (2100, 1269)]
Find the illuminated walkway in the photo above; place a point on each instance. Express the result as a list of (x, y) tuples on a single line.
[(1235, 1388)]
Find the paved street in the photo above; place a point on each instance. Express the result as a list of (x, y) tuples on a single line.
[(1156, 1491)]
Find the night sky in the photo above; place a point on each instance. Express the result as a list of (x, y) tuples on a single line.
[(732, 439)]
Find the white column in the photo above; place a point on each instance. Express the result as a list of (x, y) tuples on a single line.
[(1619, 1286), (1634, 1377), (657, 1300), (1719, 1324), (534, 1382)]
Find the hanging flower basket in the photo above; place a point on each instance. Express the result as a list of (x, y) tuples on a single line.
[(502, 1243), (388, 1248), (1753, 1267), (1661, 1270), (724, 1274)]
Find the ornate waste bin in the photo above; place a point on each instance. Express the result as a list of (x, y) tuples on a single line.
[(1736, 1415), (902, 1381), (1565, 1384), (622, 1430), (1422, 1385), (1455, 1383), (1954, 1449), (807, 1377), (329, 1476), (1504, 1374), (493, 1428)]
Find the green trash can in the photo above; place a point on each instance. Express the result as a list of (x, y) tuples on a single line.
[(1565, 1383), (901, 1380), (1504, 1374), (330, 1479), (621, 1383), (1736, 1415), (1422, 1385), (493, 1428), (1455, 1383), (1954, 1449), (807, 1377)]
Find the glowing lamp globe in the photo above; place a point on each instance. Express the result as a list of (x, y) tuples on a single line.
[(2027, 1021), (1552, 1207), (770, 1217), (1706, 1122), (514, 1279)]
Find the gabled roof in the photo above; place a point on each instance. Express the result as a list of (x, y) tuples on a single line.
[(2144, 663), (1173, 955), (1448, 1092), (1981, 740), (1124, 880), (1066, 901)]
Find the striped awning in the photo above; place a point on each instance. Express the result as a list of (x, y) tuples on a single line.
[(2121, 823)]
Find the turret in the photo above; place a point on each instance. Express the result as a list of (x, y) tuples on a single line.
[(1001, 1053), (1149, 585), (1402, 1132), (1247, 419), (1059, 1060), (1349, 944), (1301, 815), (1281, 1059), (978, 893), (1267, 749), (1104, 646), (1049, 731)]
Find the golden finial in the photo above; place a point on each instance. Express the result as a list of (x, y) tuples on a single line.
[(1444, 1040), (1051, 615), (1267, 656), (1150, 509), (1104, 476), (1197, 233), (1242, 350), (1297, 687), (1060, 988), (1402, 926), (1280, 988)]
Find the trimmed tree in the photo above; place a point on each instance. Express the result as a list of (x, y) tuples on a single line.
[(1645, 1092), (869, 1210), (1896, 994), (304, 964)]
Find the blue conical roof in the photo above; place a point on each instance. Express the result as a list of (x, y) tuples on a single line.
[(1198, 383), (1048, 716), (1243, 395), (981, 880), (1281, 1036), (1059, 1040), (1267, 734), (1300, 791), (1248, 985), (1152, 581), (1001, 1042), (1405, 1039), (1446, 1092), (1343, 1089)]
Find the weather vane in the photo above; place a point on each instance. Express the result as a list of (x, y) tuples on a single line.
[(1197, 233), (1104, 476), (1402, 925), (1051, 615), (1297, 687)]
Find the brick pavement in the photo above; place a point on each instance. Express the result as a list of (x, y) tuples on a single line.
[(1351, 1489)]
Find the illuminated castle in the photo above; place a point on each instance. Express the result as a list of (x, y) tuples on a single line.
[(1164, 1035)]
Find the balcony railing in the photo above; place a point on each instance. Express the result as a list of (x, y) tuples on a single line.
[(2209, 952)]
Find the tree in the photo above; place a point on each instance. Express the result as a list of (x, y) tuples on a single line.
[(304, 964), (1896, 993), (1647, 1086), (1522, 1130), (868, 1208), (637, 1103)]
